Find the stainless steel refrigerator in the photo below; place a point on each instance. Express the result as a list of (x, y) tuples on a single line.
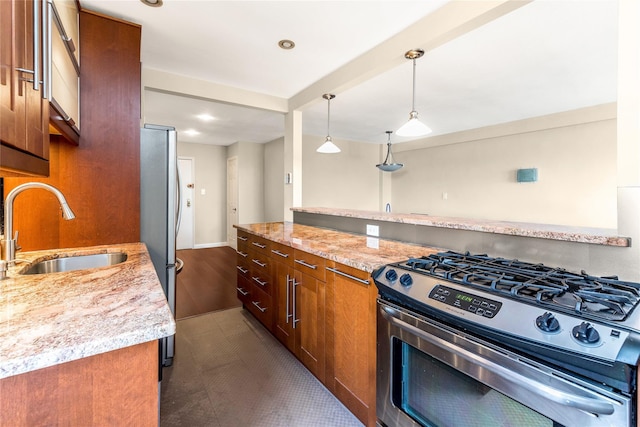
[(159, 212)]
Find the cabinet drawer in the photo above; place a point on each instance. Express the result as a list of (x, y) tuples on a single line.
[(243, 290), (243, 263), (259, 244), (282, 253), (261, 306), (261, 271), (243, 237), (312, 265)]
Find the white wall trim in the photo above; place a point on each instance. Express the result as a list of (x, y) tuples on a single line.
[(210, 245)]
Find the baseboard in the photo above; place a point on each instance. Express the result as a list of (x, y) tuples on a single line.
[(210, 245)]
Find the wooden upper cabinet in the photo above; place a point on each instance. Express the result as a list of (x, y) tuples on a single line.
[(24, 112), (64, 71)]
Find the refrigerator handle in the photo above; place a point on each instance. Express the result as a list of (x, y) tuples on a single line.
[(179, 199)]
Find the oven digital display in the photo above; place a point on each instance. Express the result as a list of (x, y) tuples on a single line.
[(481, 306)]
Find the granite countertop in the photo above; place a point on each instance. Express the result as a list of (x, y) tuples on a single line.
[(361, 252), (596, 236), (49, 319)]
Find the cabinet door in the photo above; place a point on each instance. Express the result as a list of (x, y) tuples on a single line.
[(309, 317), (284, 328), (36, 106), (351, 340), (23, 110), (8, 75)]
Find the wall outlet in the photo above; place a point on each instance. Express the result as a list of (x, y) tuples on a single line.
[(373, 230)]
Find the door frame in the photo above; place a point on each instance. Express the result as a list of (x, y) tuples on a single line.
[(192, 160)]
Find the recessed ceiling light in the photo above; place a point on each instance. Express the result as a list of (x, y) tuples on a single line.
[(205, 117), (192, 132), (152, 3), (286, 44)]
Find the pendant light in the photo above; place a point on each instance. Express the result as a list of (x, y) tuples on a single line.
[(413, 127), (389, 164), (328, 147)]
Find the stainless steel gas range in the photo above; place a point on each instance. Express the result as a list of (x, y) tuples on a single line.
[(479, 341)]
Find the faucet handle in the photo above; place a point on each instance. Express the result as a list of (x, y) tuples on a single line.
[(15, 242)]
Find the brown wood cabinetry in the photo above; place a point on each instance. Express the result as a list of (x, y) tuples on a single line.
[(309, 311), (101, 177), (244, 269), (283, 280), (24, 112), (351, 340), (325, 314), (115, 388), (255, 280)]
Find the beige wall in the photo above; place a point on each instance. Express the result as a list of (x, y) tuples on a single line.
[(576, 177), (348, 180), (274, 180), (210, 168)]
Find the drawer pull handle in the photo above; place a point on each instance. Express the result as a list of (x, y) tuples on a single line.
[(263, 284), (277, 252), (348, 276), (257, 304), (258, 245), (244, 239), (242, 270), (242, 254), (242, 291), (261, 264), (301, 262)]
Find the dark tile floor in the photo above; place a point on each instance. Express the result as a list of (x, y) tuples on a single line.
[(229, 371)]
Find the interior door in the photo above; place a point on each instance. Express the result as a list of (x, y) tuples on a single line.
[(185, 238), (232, 200)]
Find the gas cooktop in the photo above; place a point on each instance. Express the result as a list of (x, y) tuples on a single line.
[(605, 298)]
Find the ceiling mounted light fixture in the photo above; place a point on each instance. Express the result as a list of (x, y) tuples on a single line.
[(413, 127), (328, 147), (286, 44), (152, 3), (389, 164)]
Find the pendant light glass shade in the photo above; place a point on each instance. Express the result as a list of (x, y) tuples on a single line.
[(328, 147), (413, 127), (389, 164)]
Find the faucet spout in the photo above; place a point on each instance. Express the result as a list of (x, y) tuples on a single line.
[(9, 242)]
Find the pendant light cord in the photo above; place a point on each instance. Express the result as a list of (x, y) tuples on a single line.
[(413, 95), (328, 116)]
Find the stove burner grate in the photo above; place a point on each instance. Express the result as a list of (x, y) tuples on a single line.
[(600, 297)]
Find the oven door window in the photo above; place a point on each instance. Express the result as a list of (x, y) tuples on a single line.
[(436, 395)]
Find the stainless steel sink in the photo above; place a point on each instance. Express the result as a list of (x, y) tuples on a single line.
[(80, 262)]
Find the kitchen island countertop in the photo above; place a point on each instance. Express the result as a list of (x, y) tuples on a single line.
[(49, 319), (361, 252)]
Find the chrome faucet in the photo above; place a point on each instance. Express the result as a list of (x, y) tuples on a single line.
[(9, 243)]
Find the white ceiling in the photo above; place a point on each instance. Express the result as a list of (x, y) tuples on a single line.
[(545, 57)]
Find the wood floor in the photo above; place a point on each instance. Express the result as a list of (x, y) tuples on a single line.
[(207, 281)]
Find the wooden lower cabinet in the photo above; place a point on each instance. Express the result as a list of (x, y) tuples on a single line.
[(118, 388), (351, 340), (309, 318), (284, 280), (325, 315)]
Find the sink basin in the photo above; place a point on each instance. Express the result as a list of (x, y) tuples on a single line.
[(80, 262)]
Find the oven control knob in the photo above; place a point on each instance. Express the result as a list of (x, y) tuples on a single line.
[(391, 275), (585, 333), (547, 322), (406, 280)]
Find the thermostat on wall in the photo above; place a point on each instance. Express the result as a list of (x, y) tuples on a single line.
[(527, 175)]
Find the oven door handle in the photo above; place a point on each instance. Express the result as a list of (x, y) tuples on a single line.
[(593, 406)]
